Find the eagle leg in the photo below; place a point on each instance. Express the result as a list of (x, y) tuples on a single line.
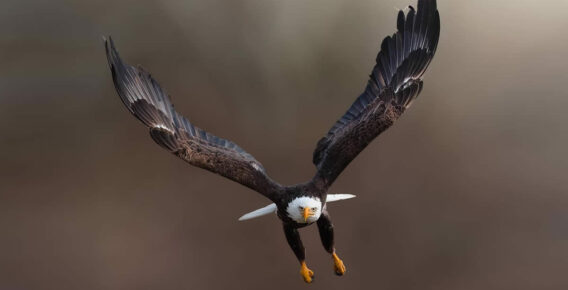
[(338, 265), (325, 228), (293, 238), (306, 273)]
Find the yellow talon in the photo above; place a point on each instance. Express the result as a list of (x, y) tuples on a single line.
[(338, 265), (306, 273)]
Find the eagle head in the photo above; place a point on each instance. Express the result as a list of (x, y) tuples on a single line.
[(304, 210)]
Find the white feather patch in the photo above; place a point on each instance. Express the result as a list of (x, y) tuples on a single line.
[(339, 196), (256, 167), (271, 208), (296, 206), (161, 126)]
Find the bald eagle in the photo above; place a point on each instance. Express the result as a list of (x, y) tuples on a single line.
[(395, 82)]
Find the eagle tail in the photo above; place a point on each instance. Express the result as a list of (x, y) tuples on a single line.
[(271, 208)]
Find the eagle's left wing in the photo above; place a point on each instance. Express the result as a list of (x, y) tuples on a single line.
[(148, 102), (395, 82)]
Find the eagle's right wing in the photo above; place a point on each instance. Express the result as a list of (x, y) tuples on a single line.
[(148, 102)]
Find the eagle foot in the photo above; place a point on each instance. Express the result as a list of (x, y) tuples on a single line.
[(338, 265), (306, 273)]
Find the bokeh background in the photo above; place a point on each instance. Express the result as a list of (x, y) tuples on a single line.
[(467, 191)]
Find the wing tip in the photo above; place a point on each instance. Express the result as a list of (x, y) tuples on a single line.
[(111, 52)]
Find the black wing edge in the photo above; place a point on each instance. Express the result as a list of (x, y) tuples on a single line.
[(148, 102), (397, 75)]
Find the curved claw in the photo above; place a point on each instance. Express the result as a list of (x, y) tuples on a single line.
[(338, 265), (306, 273)]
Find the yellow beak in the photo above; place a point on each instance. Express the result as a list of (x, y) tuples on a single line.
[(307, 213)]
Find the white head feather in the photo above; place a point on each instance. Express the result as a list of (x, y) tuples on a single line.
[(295, 209)]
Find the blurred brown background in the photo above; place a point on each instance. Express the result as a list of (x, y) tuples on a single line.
[(467, 191)]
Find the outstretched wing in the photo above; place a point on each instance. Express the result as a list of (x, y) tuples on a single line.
[(395, 82), (144, 98)]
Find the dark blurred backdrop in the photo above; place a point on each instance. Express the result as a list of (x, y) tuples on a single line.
[(467, 191)]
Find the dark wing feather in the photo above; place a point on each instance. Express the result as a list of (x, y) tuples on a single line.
[(148, 102), (395, 82)]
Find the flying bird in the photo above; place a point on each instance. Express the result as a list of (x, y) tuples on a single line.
[(395, 82)]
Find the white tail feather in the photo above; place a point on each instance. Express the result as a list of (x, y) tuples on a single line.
[(271, 208), (259, 212), (340, 196)]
